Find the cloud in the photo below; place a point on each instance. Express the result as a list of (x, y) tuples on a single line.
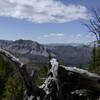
[(60, 34), (78, 35), (45, 35), (51, 35), (42, 11)]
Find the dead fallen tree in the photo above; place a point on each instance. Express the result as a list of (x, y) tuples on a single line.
[(78, 82), (82, 78), (62, 83), (31, 88)]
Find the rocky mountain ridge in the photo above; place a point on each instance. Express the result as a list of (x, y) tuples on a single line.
[(24, 47), (72, 54), (32, 52)]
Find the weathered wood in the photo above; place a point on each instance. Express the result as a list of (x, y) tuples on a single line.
[(79, 79), (31, 87), (63, 83), (74, 80)]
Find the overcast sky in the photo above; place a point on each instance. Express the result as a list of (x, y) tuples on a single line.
[(46, 21)]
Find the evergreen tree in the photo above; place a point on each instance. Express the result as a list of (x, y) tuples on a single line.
[(14, 88), (11, 86), (41, 74), (94, 28), (95, 61), (5, 71)]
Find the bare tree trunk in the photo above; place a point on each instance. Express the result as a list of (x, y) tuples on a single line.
[(31, 87)]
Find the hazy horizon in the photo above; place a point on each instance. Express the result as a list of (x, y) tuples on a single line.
[(53, 43)]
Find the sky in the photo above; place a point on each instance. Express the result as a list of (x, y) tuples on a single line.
[(47, 21)]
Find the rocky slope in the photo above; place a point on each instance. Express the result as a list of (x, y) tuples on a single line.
[(28, 51), (72, 54), (24, 47), (34, 54)]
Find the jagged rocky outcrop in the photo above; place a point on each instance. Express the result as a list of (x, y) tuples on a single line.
[(62, 83)]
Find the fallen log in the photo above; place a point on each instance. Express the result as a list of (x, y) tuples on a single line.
[(79, 78), (32, 90), (62, 83)]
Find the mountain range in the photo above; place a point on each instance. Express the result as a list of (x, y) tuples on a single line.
[(37, 55)]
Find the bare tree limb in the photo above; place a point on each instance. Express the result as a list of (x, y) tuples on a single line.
[(94, 24), (31, 87)]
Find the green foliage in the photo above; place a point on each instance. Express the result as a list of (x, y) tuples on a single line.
[(42, 73), (95, 62), (61, 62), (5, 71), (11, 86), (14, 88)]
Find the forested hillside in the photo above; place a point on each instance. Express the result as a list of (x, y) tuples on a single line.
[(11, 86)]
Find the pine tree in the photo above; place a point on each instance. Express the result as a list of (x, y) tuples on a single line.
[(5, 71), (11, 86), (95, 61), (14, 88)]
